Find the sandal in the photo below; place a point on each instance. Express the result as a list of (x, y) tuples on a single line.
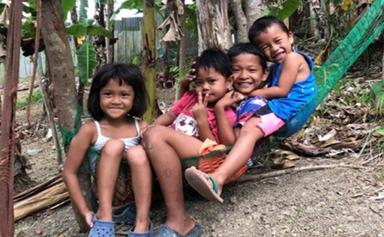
[(204, 184), (166, 231), (148, 233), (102, 228), (125, 215)]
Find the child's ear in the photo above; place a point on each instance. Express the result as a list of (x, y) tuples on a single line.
[(229, 82), (290, 37), (265, 75)]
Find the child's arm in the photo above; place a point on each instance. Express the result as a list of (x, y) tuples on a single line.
[(226, 132), (77, 151), (289, 73), (165, 119)]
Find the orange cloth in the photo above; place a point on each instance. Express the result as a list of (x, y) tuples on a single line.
[(210, 164)]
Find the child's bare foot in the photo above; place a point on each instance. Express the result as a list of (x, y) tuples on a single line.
[(204, 184)]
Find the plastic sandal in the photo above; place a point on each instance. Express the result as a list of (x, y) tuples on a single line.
[(131, 232), (165, 231), (102, 228)]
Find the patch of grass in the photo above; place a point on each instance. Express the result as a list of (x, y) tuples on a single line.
[(37, 97)]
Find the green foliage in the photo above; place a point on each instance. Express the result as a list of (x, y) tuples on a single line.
[(136, 60), (67, 5), (190, 17), (28, 29), (2, 5), (83, 11), (136, 5), (378, 92), (379, 132), (30, 7), (86, 56), (284, 10), (22, 102), (79, 30), (132, 4)]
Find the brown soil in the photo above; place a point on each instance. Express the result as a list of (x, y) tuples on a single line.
[(328, 202)]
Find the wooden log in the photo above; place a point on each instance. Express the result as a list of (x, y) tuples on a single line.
[(40, 201), (38, 188)]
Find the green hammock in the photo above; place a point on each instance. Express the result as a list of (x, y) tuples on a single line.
[(369, 27)]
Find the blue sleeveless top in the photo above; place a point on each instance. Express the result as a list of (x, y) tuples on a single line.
[(300, 93)]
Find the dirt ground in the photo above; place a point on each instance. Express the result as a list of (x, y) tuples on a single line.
[(338, 201)]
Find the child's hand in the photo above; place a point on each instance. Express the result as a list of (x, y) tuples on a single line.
[(229, 99), (189, 78), (88, 218), (199, 110)]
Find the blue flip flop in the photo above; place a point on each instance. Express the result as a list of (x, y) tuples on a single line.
[(102, 228), (166, 231)]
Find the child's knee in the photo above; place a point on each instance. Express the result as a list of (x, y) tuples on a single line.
[(152, 135), (113, 147), (136, 156)]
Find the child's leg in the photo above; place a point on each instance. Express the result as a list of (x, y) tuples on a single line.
[(250, 133), (142, 186), (165, 148), (107, 171)]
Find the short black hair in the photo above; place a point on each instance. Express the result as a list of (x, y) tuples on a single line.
[(261, 24), (249, 48), (123, 73), (215, 58)]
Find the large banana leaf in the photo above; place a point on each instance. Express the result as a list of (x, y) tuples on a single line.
[(86, 57), (83, 14), (79, 30), (67, 5), (286, 9)]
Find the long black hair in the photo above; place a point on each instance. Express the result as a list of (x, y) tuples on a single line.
[(123, 73)]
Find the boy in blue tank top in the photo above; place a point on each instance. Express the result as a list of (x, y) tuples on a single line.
[(291, 85)]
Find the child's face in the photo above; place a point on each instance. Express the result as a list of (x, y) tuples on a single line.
[(212, 84), (275, 43), (116, 100), (247, 73)]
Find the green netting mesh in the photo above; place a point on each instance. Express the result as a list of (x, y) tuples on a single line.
[(355, 43)]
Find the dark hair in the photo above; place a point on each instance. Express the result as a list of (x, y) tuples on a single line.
[(248, 48), (215, 58), (123, 73), (261, 24)]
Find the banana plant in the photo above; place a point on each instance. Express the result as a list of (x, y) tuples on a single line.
[(86, 54), (285, 10)]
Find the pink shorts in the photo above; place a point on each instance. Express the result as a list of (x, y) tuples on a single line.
[(270, 123)]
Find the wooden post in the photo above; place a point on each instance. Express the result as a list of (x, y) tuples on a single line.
[(150, 58), (7, 139)]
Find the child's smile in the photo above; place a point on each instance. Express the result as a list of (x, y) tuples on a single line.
[(248, 74), (275, 43), (116, 100)]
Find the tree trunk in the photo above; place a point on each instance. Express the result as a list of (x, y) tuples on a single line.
[(253, 9), (61, 69), (109, 27), (181, 49), (241, 21), (7, 136), (213, 24), (150, 58), (314, 6), (63, 78)]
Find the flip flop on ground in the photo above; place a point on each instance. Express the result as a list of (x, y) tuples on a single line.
[(204, 184)]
